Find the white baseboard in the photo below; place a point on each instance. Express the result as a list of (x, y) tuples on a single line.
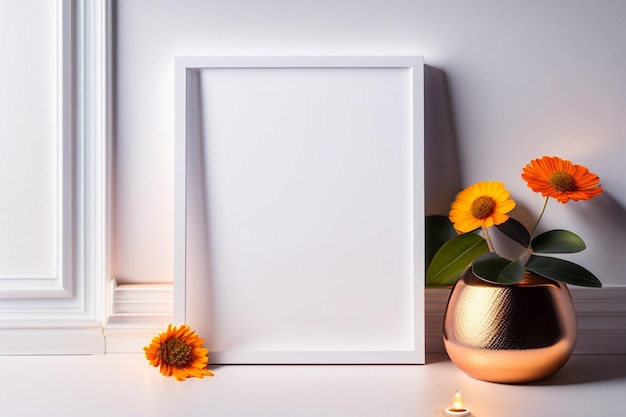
[(435, 307), (601, 319), (140, 311), (52, 341), (137, 313), (601, 314)]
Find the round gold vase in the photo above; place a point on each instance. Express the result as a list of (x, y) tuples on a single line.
[(509, 333)]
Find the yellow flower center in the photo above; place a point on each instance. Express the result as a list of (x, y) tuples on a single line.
[(175, 352), (483, 207), (562, 181)]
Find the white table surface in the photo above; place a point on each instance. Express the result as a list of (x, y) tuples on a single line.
[(124, 385)]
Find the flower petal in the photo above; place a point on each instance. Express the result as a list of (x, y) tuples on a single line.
[(461, 211), (158, 353), (537, 174)]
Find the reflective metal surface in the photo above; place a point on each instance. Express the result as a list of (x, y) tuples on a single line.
[(510, 334)]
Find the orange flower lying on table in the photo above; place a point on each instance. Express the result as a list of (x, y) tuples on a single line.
[(179, 353)]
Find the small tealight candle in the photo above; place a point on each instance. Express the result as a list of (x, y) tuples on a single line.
[(457, 409)]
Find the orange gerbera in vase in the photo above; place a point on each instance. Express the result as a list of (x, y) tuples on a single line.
[(560, 179), (179, 353), (483, 204), (463, 239), (510, 316)]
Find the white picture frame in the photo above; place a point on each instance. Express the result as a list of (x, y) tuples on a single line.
[(299, 207)]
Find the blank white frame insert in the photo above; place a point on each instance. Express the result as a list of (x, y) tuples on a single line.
[(299, 233)]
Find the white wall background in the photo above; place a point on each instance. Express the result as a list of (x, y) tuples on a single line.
[(509, 82)]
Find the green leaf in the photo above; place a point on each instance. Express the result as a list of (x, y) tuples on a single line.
[(516, 231), (439, 230), (562, 270), (453, 257), (498, 270), (557, 241)]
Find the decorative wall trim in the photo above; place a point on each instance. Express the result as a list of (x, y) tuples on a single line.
[(61, 283), (140, 311), (64, 315), (49, 341), (601, 319), (435, 307), (137, 313)]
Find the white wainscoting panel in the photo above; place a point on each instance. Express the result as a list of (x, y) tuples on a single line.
[(136, 314), (30, 161), (140, 311), (601, 316), (61, 311)]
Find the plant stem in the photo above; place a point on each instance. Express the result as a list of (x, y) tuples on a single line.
[(543, 210), (488, 240), (528, 249)]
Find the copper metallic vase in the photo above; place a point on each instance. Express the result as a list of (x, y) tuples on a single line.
[(509, 333)]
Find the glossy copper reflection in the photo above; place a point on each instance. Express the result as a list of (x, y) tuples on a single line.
[(511, 334)]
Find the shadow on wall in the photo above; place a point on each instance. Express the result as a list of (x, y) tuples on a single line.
[(604, 216), (442, 171), (198, 262)]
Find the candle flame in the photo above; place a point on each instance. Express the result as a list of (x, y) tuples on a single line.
[(457, 401)]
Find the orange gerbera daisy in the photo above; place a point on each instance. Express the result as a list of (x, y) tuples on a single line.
[(558, 178), (483, 204), (179, 352)]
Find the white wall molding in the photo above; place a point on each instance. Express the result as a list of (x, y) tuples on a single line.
[(64, 314), (435, 307), (62, 341), (140, 311), (137, 313), (601, 314), (59, 284)]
